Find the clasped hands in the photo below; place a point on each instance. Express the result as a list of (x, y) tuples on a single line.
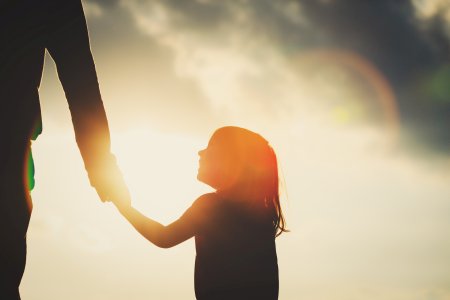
[(108, 181)]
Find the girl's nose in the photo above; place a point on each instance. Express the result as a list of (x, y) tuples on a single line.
[(200, 152)]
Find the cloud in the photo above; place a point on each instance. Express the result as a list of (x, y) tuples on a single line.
[(104, 3), (412, 52), (243, 52), (433, 8), (137, 76), (239, 59), (92, 10)]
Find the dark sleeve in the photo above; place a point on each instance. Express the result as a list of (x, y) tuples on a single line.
[(68, 44), (200, 212)]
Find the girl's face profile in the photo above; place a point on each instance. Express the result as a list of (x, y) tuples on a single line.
[(216, 167)]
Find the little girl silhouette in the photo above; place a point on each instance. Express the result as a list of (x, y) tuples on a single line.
[(235, 226)]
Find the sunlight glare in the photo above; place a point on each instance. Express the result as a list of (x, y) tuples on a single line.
[(160, 170)]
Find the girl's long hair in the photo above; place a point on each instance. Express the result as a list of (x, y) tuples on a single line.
[(273, 196), (256, 170)]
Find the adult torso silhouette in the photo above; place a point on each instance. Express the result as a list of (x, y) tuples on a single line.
[(27, 29)]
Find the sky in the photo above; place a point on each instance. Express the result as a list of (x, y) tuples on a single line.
[(353, 96)]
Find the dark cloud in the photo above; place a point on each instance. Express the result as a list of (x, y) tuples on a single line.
[(199, 16), (105, 3), (380, 30), (137, 75), (412, 52)]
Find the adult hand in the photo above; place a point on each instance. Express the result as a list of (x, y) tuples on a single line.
[(108, 181)]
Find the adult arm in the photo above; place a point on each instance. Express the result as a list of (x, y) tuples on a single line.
[(68, 44)]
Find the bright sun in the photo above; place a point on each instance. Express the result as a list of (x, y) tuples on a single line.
[(160, 170)]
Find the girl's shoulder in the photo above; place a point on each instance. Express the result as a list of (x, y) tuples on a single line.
[(203, 208), (207, 200), (210, 203)]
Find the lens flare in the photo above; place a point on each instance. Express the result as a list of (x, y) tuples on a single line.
[(369, 72)]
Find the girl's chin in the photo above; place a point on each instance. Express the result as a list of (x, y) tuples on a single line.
[(205, 180), (200, 177)]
